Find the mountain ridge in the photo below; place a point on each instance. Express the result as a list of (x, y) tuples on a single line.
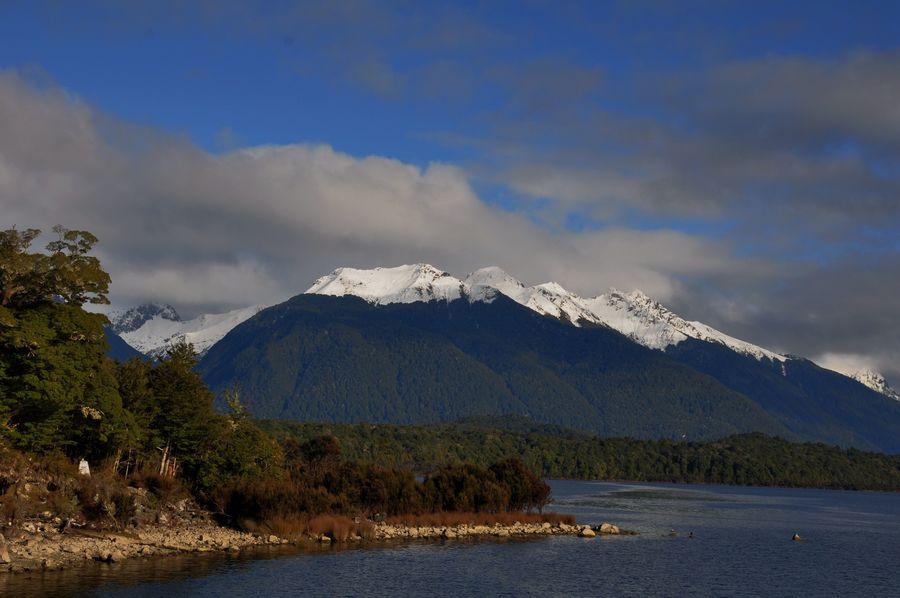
[(152, 327)]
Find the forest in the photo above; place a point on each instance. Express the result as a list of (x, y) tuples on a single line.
[(555, 452)]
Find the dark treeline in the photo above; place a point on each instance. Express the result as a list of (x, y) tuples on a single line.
[(318, 481), (154, 425), (747, 459)]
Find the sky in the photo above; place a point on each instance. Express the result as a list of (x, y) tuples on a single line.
[(737, 161)]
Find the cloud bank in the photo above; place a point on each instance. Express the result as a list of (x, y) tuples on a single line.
[(202, 230), (810, 201)]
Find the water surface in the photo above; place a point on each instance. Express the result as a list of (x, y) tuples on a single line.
[(741, 546)]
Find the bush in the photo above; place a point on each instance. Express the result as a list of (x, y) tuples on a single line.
[(164, 488)]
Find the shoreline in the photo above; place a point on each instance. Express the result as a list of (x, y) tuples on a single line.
[(37, 547)]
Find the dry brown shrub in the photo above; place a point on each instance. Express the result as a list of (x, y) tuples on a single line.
[(282, 526), (336, 527)]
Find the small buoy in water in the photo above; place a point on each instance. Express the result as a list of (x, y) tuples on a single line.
[(795, 537)]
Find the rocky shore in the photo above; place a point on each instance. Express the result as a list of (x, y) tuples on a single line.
[(40, 546), (390, 532), (44, 548)]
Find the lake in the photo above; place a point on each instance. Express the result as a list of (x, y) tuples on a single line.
[(741, 546)]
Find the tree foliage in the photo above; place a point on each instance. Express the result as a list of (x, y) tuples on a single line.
[(553, 452), (65, 273), (59, 391)]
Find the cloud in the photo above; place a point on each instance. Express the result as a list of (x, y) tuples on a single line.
[(846, 363), (845, 307), (204, 230), (796, 149)]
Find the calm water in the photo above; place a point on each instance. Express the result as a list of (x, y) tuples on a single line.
[(741, 547)]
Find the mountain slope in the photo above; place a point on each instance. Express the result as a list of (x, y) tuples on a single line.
[(874, 380), (812, 402), (118, 348), (344, 359)]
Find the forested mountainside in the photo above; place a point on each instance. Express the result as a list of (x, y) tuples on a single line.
[(343, 359)]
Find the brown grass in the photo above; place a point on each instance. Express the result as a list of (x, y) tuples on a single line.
[(450, 519), (337, 527)]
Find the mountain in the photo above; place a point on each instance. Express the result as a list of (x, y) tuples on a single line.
[(151, 328), (633, 314), (414, 344), (813, 402), (403, 284), (131, 320), (118, 348), (341, 358), (876, 382)]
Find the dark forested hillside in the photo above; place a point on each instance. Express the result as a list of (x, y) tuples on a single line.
[(749, 459), (118, 348), (322, 358), (812, 402), (342, 359)]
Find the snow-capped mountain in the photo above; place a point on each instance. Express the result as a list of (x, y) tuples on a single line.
[(130, 320), (152, 328), (876, 382), (403, 284), (633, 314)]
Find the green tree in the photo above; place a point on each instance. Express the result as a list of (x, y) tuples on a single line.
[(57, 389)]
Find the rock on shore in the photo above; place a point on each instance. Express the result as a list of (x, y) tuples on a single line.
[(45, 548), (388, 532)]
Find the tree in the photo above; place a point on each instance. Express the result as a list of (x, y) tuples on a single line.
[(57, 389), (67, 273)]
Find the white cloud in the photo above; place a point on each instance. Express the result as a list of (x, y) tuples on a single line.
[(198, 229), (847, 363)]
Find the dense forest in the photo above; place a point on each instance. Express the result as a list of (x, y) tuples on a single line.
[(554, 452), (155, 426), (341, 359)]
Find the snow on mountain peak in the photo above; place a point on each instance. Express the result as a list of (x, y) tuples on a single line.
[(632, 313), (653, 325), (154, 334), (495, 277), (133, 318), (876, 382), (485, 283), (402, 284)]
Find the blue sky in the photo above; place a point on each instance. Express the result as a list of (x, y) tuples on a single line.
[(208, 78), (733, 158)]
